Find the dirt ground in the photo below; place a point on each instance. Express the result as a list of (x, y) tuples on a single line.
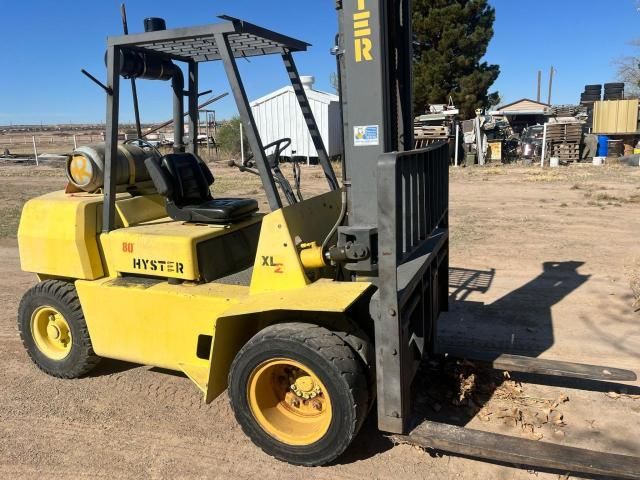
[(543, 263)]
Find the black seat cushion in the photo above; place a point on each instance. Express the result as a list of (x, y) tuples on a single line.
[(219, 210), (184, 180)]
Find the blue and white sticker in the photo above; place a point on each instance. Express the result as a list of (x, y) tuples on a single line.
[(366, 135)]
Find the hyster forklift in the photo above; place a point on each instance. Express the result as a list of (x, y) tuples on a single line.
[(312, 315)]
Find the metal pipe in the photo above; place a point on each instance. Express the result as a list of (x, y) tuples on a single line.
[(177, 84), (35, 151), (111, 139), (134, 89), (194, 115), (169, 122), (338, 54)]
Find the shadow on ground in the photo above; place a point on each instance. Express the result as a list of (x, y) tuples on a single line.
[(519, 323)]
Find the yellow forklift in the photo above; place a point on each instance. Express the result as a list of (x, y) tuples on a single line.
[(311, 314)]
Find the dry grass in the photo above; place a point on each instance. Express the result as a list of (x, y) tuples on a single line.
[(9, 220), (635, 198)]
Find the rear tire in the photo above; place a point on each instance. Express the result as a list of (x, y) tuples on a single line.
[(276, 416), (54, 332)]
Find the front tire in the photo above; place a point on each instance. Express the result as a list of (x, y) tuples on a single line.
[(54, 332), (299, 392)]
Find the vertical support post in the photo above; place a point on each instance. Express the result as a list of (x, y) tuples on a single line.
[(215, 135), (551, 73), (544, 144), (75, 142), (111, 139), (35, 151), (194, 115), (457, 143), (134, 90), (206, 119), (241, 143), (539, 85), (479, 144), (310, 120), (231, 69), (404, 42)]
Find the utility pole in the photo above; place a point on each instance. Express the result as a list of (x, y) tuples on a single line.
[(539, 85), (551, 73)]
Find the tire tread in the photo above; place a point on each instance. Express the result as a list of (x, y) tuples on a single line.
[(65, 293), (333, 349)]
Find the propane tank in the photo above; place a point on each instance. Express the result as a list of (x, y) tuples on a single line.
[(85, 166)]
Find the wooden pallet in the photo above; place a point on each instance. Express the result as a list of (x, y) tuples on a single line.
[(430, 131), (425, 142)]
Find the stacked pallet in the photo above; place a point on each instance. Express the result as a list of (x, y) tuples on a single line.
[(564, 140), (564, 110), (427, 134)]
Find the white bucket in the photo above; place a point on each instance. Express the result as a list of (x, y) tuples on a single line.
[(554, 162), (599, 160)]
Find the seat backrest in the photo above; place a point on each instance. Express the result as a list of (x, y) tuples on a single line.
[(181, 177)]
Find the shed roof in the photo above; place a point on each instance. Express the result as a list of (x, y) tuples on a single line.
[(524, 106), (318, 96)]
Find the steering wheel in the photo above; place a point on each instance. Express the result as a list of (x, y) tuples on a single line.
[(273, 161), (280, 146)]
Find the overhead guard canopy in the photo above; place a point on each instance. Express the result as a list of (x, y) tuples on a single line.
[(198, 44)]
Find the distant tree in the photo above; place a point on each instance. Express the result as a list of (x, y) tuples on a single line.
[(629, 71), (451, 38), (228, 137)]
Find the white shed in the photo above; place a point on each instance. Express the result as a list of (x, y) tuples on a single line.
[(278, 115)]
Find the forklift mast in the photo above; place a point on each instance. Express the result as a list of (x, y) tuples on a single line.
[(397, 197), (374, 57)]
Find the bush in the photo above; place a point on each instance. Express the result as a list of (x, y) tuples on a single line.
[(229, 137)]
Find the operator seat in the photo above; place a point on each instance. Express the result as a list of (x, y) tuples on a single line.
[(184, 180)]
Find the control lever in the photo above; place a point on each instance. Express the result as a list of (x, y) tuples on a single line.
[(242, 168)]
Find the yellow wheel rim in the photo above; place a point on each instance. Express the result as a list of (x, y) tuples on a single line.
[(289, 402), (51, 333)]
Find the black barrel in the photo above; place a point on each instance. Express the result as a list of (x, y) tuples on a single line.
[(154, 24)]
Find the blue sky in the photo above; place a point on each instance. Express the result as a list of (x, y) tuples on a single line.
[(45, 44)]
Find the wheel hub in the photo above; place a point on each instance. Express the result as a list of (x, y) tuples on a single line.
[(305, 387), (289, 402), (51, 333)]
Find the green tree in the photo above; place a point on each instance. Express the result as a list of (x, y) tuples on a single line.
[(229, 137), (451, 38)]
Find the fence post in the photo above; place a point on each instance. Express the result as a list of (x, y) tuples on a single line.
[(35, 150), (544, 144), (75, 143), (457, 142)]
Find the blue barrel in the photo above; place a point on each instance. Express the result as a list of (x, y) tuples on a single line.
[(603, 146)]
